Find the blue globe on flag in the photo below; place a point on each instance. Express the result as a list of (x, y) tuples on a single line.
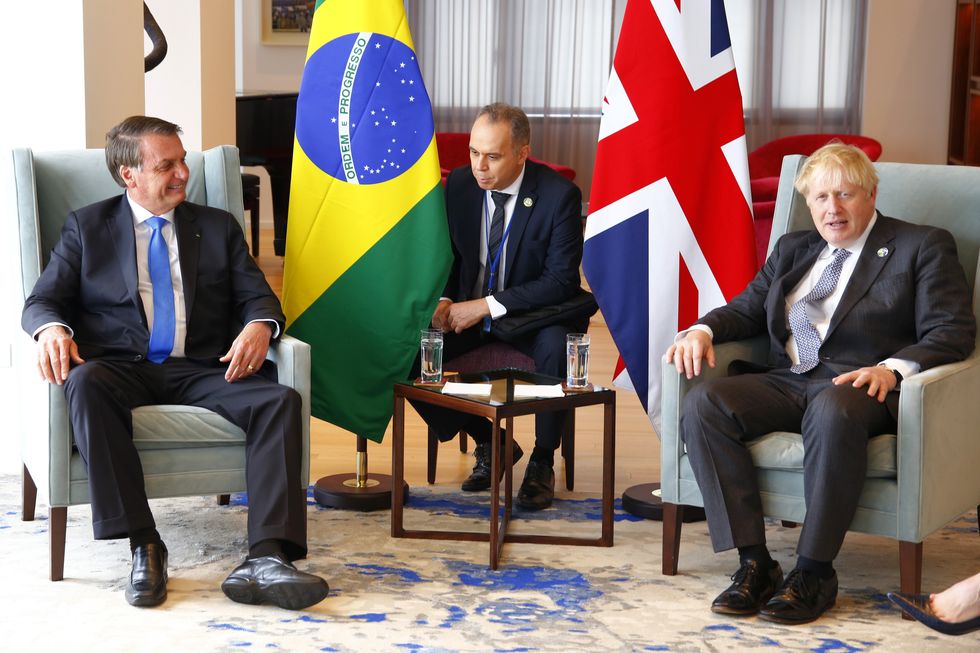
[(363, 116)]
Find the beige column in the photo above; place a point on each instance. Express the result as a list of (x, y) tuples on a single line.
[(194, 86)]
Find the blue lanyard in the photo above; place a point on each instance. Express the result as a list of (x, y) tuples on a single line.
[(493, 263)]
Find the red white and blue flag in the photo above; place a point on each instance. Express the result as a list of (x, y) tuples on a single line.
[(669, 234)]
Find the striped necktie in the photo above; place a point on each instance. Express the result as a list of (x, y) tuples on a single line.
[(807, 337)]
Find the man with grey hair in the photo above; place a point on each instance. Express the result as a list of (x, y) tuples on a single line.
[(516, 233), (150, 299), (850, 310)]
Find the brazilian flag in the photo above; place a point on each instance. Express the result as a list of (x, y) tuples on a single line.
[(367, 249)]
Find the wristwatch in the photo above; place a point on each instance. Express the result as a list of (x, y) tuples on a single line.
[(898, 375)]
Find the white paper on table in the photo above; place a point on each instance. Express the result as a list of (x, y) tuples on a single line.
[(473, 389), (524, 391)]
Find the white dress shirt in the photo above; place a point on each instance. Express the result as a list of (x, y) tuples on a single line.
[(145, 285), (496, 308)]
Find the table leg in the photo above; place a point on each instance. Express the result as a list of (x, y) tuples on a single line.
[(608, 470), (495, 463), (397, 467)]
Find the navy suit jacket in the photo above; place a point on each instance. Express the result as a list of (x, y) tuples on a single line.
[(90, 283), (544, 246), (907, 298)]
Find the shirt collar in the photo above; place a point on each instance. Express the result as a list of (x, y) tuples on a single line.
[(141, 215)]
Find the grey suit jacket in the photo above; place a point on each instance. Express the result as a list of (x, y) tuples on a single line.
[(90, 282), (907, 298)]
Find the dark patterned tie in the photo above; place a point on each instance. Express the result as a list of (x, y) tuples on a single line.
[(496, 233), (808, 339)]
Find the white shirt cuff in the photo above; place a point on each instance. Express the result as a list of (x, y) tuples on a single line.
[(275, 326), (51, 324), (497, 310), (903, 367), (699, 327)]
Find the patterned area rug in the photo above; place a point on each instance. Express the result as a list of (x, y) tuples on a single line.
[(421, 595)]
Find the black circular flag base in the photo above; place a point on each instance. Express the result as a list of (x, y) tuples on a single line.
[(644, 501), (341, 491)]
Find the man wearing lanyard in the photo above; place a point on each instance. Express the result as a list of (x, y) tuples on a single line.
[(516, 234)]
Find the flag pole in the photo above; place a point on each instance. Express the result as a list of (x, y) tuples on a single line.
[(357, 491)]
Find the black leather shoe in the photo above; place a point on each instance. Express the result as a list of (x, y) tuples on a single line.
[(803, 597), (479, 479), (538, 489), (148, 579), (752, 587), (270, 579)]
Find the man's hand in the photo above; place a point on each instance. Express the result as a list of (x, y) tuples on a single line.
[(56, 351), (440, 317), (247, 353), (879, 379), (687, 353), (463, 315)]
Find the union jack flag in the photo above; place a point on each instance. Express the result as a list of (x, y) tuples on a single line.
[(669, 234)]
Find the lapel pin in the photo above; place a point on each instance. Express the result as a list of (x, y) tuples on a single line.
[(528, 202), (883, 252)]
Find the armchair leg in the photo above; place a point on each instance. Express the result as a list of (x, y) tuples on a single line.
[(788, 524), (57, 525), (433, 457), (29, 495), (568, 450), (224, 499), (910, 568), (464, 445), (673, 519)]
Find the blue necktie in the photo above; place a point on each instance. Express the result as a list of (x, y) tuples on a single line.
[(158, 256), (808, 339)]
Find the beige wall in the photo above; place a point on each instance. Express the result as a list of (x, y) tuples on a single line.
[(907, 78)]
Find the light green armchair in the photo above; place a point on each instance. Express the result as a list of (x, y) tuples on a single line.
[(184, 450), (920, 478)]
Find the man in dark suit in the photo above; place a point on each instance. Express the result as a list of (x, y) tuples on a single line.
[(149, 299), (851, 309), (516, 235)]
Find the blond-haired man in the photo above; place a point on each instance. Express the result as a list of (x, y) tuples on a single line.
[(850, 310)]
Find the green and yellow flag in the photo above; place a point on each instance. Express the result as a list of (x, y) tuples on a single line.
[(367, 249)]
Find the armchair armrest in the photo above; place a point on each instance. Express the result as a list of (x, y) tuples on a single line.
[(675, 386), (938, 447), (292, 359)]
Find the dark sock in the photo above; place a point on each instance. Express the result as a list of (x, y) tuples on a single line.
[(142, 537), (823, 570), (757, 552), (479, 429), (266, 548), (543, 456)]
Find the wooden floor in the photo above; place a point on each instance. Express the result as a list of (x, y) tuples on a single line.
[(637, 446)]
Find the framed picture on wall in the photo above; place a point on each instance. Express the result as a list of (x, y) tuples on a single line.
[(287, 22)]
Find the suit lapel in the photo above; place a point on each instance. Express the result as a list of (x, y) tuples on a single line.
[(188, 247), (527, 199), (878, 248), (803, 260), (123, 235)]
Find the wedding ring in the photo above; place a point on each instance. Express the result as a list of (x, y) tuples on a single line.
[(249, 368)]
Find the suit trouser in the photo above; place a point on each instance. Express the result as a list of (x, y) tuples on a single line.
[(721, 416), (546, 347), (101, 395)]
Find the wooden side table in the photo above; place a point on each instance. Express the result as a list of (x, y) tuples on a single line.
[(501, 406)]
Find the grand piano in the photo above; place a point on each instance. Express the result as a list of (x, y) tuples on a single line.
[(266, 123)]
